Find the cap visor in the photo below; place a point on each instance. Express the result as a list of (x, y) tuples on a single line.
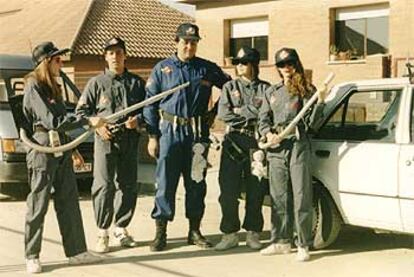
[(195, 38)]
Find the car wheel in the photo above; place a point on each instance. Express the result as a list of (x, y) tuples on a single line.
[(326, 221)]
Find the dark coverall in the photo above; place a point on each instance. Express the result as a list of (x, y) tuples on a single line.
[(114, 189), (176, 139), (239, 108), (290, 179), (47, 172)]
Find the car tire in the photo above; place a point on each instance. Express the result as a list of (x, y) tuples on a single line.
[(327, 221)]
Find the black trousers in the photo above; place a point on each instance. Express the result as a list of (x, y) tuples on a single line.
[(234, 175)]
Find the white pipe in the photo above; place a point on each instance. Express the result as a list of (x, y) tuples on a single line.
[(299, 116), (110, 118)]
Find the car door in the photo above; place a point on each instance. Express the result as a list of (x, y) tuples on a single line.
[(355, 155), (406, 166)]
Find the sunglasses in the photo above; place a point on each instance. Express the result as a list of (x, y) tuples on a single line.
[(284, 64), (240, 62)]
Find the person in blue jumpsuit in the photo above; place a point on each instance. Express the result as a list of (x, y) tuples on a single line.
[(114, 189), (45, 114), (175, 124), (290, 180), (239, 106)]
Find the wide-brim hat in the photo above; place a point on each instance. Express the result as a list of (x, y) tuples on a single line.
[(46, 50)]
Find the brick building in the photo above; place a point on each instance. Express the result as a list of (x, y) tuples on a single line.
[(371, 38), (147, 26)]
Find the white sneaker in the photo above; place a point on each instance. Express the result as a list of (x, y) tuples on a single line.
[(276, 248), (33, 266), (253, 240), (102, 244), (227, 241), (84, 258), (124, 239), (303, 254)]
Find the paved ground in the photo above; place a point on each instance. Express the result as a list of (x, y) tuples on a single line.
[(357, 252)]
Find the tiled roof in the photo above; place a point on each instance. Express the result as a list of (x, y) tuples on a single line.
[(26, 23), (147, 26)]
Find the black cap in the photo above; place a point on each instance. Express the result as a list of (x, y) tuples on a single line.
[(246, 54), (46, 50), (188, 31), (114, 41), (284, 55)]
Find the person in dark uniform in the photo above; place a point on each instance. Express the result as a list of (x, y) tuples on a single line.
[(47, 120), (178, 126), (114, 189), (239, 108), (289, 160)]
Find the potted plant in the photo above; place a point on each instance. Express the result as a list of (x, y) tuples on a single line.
[(333, 52)]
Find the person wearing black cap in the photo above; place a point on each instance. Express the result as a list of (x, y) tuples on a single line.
[(177, 126), (114, 188), (290, 179), (239, 108), (46, 116)]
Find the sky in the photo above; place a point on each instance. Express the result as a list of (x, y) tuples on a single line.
[(188, 9)]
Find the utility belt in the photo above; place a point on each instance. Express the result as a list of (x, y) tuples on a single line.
[(176, 120), (248, 131)]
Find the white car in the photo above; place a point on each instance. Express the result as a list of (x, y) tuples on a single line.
[(363, 159)]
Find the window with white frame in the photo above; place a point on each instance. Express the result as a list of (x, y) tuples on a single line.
[(362, 31), (251, 32)]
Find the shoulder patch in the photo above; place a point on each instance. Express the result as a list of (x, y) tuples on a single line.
[(236, 94), (166, 70), (103, 100)]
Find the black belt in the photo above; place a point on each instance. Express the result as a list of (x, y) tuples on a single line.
[(244, 131), (176, 119)]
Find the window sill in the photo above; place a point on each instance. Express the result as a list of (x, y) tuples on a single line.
[(346, 62)]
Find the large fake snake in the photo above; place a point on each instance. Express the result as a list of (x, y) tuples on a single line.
[(111, 118)]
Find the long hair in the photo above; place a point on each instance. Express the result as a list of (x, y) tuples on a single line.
[(255, 71), (298, 84), (45, 79)]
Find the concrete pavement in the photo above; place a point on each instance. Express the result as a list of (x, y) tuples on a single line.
[(358, 252)]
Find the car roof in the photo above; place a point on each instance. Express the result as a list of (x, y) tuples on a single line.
[(16, 62)]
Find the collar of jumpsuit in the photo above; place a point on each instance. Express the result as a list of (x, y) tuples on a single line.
[(250, 85), (180, 63), (113, 75)]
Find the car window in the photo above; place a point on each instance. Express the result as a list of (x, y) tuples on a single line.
[(364, 115)]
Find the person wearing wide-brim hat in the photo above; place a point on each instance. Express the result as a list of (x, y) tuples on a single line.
[(239, 109), (289, 160), (47, 120)]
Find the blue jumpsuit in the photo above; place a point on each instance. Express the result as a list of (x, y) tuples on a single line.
[(114, 189), (290, 180), (176, 140), (44, 112), (233, 174)]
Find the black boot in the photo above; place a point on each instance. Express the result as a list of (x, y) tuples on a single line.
[(195, 237), (160, 241)]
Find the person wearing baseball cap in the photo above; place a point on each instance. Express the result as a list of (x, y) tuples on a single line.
[(173, 140), (239, 107), (114, 188), (46, 117), (290, 179)]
